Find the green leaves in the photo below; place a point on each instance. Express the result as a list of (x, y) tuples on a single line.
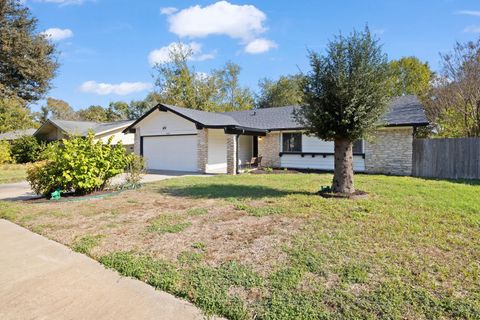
[(80, 165)]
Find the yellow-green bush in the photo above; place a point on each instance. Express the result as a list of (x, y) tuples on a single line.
[(5, 155), (78, 165)]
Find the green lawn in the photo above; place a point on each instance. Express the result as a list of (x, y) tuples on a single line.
[(12, 173), (266, 246)]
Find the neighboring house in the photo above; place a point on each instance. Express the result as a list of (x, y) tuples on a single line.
[(174, 138), (13, 135), (53, 130)]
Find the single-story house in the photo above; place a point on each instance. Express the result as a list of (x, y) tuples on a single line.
[(16, 134), (54, 129), (174, 138)]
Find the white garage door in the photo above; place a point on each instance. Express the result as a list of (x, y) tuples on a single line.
[(171, 152)]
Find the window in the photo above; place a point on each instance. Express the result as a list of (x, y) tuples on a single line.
[(358, 146), (292, 142)]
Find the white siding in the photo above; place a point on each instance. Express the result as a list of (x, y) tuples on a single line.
[(217, 151), (313, 144), (317, 162), (245, 149), (163, 123), (126, 139)]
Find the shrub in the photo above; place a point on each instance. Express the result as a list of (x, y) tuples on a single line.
[(135, 169), (27, 149), (78, 165), (5, 155)]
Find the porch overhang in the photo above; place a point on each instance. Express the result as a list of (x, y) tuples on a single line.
[(245, 131)]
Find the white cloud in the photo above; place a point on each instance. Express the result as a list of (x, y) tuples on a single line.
[(123, 88), (239, 22), (260, 46), (57, 34), (242, 22), (469, 13), (162, 55), (168, 10), (472, 29)]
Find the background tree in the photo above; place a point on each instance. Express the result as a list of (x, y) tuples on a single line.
[(93, 113), (14, 115), (181, 85), (27, 58), (346, 93), (57, 109), (286, 91), (409, 75), (455, 102)]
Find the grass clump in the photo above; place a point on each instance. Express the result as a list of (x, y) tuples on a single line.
[(167, 223), (86, 243), (258, 211), (197, 212)]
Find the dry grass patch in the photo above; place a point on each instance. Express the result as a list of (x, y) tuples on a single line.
[(267, 247)]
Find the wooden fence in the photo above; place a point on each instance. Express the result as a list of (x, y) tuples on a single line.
[(447, 158)]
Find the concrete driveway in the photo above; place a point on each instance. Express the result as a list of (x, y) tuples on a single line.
[(22, 191), (42, 279)]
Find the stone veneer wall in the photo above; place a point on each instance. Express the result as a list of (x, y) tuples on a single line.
[(136, 142), (269, 149), (202, 150), (232, 154), (390, 151)]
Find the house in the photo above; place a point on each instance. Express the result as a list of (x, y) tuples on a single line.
[(174, 138), (16, 134), (53, 130)]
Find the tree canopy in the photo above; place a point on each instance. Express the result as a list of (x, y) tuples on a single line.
[(27, 58), (454, 105), (181, 85), (346, 93), (409, 75), (14, 115), (285, 91), (57, 109)]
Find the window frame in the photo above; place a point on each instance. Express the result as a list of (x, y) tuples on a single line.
[(300, 134)]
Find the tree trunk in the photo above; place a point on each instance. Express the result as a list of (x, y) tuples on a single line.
[(343, 176)]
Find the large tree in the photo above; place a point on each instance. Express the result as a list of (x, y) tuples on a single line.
[(181, 85), (409, 75), (57, 109), (346, 93), (285, 91), (27, 58), (455, 99), (14, 115), (93, 113)]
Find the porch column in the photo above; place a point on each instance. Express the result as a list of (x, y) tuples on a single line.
[(202, 150), (232, 150)]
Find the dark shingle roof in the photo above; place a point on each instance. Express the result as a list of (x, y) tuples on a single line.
[(82, 128), (267, 119), (405, 110), (12, 135)]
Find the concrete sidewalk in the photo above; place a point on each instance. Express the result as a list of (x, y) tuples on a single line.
[(42, 279)]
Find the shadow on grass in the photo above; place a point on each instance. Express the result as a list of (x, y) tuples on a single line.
[(471, 182), (223, 191)]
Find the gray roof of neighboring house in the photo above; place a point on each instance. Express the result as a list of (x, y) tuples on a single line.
[(82, 128), (12, 135), (404, 110)]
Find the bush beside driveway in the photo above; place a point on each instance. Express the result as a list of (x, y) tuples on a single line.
[(268, 246)]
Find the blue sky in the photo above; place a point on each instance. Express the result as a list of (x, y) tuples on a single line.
[(107, 46)]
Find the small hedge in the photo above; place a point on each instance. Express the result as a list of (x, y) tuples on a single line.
[(5, 155), (78, 165), (27, 149)]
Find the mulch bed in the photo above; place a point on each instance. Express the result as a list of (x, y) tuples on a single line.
[(358, 194), (70, 196)]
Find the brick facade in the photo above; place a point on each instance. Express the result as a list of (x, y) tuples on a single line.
[(269, 149), (232, 153), (390, 151), (202, 150)]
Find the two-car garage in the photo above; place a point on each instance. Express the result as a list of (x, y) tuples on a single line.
[(170, 152)]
